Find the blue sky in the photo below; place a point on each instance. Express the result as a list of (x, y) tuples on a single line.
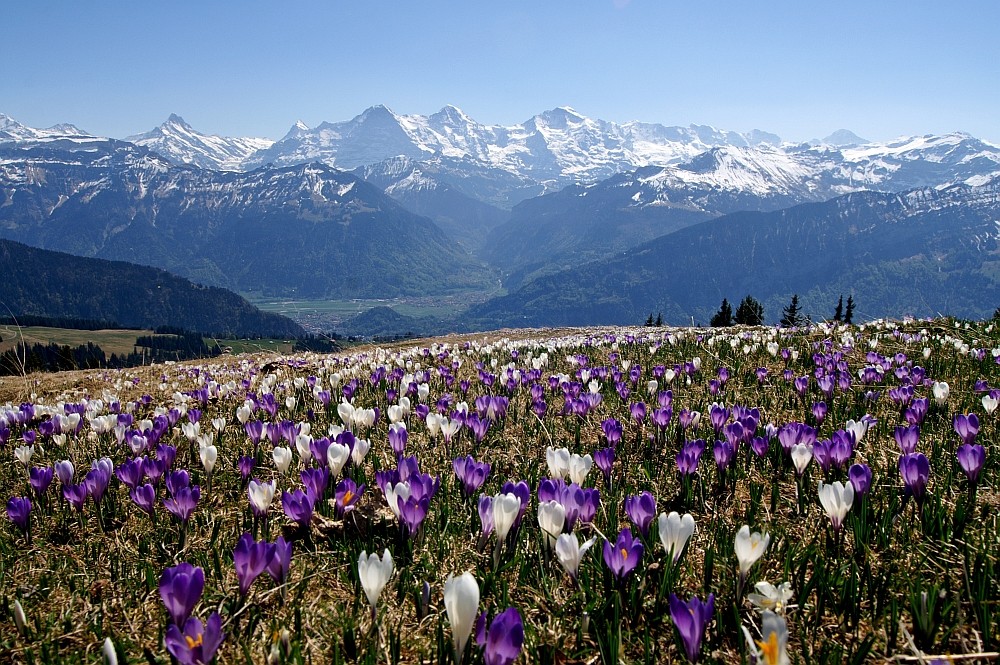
[(800, 69)]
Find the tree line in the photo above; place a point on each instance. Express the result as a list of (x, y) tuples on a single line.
[(148, 349), (751, 313)]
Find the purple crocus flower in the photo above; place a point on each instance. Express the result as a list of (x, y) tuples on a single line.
[(64, 471), (759, 445), (250, 559), (841, 448), (485, 508), (605, 460), (613, 429), (40, 477), (690, 618), (718, 415), (687, 460), (180, 589), (154, 469), (412, 512), (346, 496), (166, 454), (504, 638), (622, 557), (971, 458), (397, 439), (177, 480), (315, 481), (588, 506), (245, 465), (196, 643), (183, 502), (638, 412), (471, 474), (144, 496), (723, 452), (915, 470), (819, 410), (298, 506), (96, 482), (130, 473), (279, 560), (906, 438), (641, 510), (860, 476), (967, 427), (19, 511), (76, 495), (821, 453)]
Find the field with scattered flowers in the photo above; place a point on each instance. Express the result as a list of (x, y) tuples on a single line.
[(615, 495)]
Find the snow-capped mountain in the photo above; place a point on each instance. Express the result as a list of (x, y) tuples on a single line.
[(580, 222), (554, 148), (307, 230), (561, 147), (182, 144), (12, 130)]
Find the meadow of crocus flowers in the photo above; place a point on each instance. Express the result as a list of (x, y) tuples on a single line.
[(825, 495)]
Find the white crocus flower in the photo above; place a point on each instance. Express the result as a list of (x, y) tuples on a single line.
[(749, 547), (505, 510), (770, 597), (374, 574), (209, 455), (336, 457), (461, 601), (837, 499), (24, 453), (570, 552), (558, 461), (261, 495), (802, 454), (282, 458), (940, 390), (675, 531), (579, 467), (551, 519)]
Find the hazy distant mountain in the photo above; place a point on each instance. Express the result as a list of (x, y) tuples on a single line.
[(182, 144), (923, 252), (12, 130), (308, 230), (844, 138), (53, 284)]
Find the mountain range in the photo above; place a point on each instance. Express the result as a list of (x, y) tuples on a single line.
[(386, 205), (305, 231), (925, 252)]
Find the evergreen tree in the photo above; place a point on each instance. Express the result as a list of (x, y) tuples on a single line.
[(649, 321), (838, 313), (849, 313), (791, 316), (724, 317), (750, 312), (659, 319)]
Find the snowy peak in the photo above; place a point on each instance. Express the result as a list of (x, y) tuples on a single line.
[(12, 130), (180, 143)]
